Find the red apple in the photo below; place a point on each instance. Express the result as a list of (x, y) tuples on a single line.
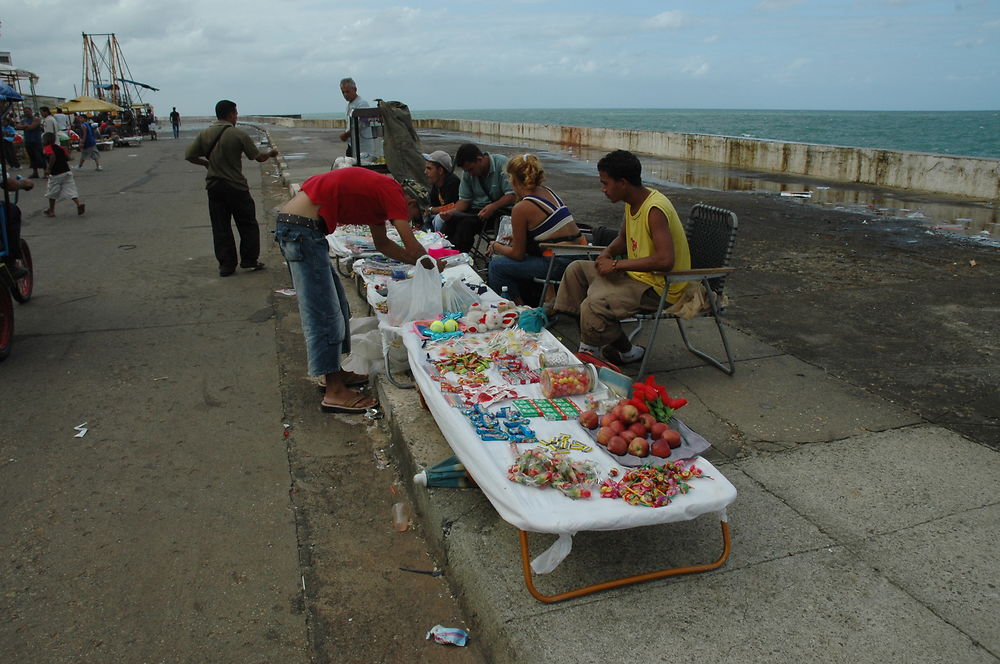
[(617, 426), (617, 446), (672, 437), (617, 411), (627, 435), (657, 428), (629, 413), (638, 429), (647, 419), (604, 434), (589, 419), (608, 418), (660, 448), (639, 447)]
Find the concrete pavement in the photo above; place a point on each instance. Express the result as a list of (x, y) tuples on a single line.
[(164, 534), (861, 533)]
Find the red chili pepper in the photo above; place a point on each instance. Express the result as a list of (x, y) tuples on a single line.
[(676, 403), (640, 405)]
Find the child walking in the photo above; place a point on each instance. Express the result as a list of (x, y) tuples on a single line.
[(61, 181)]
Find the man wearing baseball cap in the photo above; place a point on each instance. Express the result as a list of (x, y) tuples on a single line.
[(444, 188)]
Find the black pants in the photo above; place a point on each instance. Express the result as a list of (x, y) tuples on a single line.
[(225, 203), (13, 232), (461, 229), (35, 155)]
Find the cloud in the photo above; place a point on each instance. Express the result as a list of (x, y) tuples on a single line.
[(777, 5), (668, 20), (288, 57)]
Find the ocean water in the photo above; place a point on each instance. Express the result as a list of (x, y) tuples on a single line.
[(966, 133)]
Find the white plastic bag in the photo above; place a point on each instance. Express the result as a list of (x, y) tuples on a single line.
[(458, 296), (370, 348), (418, 298)]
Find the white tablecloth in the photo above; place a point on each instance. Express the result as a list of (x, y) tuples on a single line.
[(547, 510)]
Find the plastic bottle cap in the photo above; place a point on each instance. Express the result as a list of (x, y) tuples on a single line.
[(420, 478)]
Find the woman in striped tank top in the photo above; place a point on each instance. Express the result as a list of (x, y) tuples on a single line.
[(539, 216)]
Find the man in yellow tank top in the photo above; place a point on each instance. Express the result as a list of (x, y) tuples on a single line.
[(606, 291)]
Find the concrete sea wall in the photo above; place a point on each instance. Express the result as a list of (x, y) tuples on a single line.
[(971, 177)]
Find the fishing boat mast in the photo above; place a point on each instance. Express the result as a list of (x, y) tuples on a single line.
[(106, 74)]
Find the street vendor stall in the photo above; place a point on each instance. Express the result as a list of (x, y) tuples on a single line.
[(513, 403), (597, 502)]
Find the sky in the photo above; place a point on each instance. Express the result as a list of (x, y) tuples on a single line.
[(288, 56)]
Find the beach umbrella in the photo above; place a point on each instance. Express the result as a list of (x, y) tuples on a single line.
[(85, 104), (7, 93)]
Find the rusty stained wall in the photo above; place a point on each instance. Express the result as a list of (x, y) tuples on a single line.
[(943, 174)]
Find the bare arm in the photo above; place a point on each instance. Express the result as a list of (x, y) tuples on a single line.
[(521, 218), (661, 260), (504, 201), (264, 156), (410, 252), (460, 206)]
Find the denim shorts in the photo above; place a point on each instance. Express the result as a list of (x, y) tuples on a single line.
[(323, 305)]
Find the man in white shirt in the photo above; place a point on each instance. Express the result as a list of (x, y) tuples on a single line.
[(49, 124), (349, 89)]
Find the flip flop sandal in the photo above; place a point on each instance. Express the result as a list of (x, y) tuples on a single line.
[(353, 408), (321, 383)]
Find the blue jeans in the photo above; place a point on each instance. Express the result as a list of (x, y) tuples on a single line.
[(177, 130), (507, 272), (323, 304)]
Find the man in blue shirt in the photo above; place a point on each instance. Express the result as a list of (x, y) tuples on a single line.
[(484, 192)]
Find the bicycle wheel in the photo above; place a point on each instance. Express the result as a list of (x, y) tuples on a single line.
[(6, 323), (21, 290)]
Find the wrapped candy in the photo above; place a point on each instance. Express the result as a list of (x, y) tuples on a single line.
[(567, 380), (650, 486), (542, 468)]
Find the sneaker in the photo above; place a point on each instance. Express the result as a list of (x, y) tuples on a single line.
[(612, 354), (255, 267), (79, 166), (99, 167)]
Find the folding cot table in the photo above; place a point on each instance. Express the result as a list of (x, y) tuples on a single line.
[(533, 510)]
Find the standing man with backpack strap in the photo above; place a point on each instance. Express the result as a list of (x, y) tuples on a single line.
[(220, 149)]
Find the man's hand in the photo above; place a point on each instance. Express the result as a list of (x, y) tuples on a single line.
[(605, 265), (487, 212), (344, 136)]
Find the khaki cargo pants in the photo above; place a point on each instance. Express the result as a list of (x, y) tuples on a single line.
[(602, 302)]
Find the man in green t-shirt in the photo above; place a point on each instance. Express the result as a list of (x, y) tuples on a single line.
[(483, 193), (220, 149)]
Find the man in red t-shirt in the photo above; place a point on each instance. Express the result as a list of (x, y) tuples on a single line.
[(345, 196)]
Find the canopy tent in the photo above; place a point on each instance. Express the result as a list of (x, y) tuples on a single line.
[(85, 104)]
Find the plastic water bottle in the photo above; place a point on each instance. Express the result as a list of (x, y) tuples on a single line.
[(401, 517), (503, 293)]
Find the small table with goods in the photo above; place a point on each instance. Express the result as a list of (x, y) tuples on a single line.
[(510, 404)]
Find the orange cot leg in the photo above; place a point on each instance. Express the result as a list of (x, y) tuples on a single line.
[(616, 583)]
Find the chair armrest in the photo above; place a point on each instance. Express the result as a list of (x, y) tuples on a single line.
[(564, 249), (700, 273)]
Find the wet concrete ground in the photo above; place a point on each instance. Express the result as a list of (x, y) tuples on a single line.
[(907, 313)]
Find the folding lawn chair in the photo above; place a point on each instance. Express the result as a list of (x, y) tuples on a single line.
[(711, 235)]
